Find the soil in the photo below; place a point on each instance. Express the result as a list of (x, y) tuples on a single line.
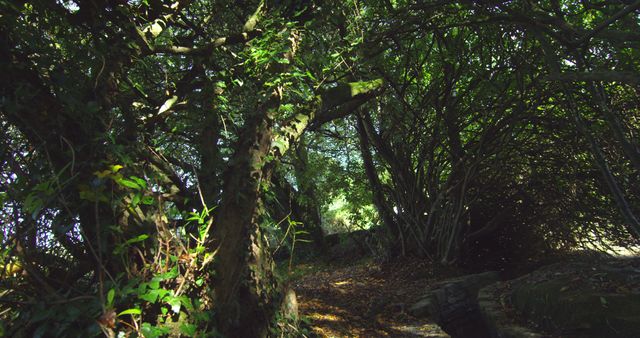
[(365, 299)]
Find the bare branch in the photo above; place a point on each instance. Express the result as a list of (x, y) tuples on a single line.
[(634, 6), (605, 76)]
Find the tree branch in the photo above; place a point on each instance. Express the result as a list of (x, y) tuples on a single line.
[(208, 48), (608, 22), (332, 103), (606, 76)]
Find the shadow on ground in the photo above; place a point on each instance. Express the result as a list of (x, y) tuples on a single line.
[(364, 299)]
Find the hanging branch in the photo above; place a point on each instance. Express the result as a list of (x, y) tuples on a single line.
[(554, 67)]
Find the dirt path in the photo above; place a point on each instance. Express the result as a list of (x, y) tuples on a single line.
[(366, 300)]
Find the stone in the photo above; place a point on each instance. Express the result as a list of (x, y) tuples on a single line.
[(290, 305), (499, 325), (585, 299), (582, 297), (421, 308), (453, 305)]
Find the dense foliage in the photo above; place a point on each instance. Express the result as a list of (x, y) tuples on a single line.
[(157, 153)]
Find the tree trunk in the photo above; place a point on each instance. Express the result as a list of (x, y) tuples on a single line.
[(310, 208), (386, 215), (245, 287)]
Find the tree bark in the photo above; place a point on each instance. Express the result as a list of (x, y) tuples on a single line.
[(606, 76), (309, 205), (386, 215), (245, 287)]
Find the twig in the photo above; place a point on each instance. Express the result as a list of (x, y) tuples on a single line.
[(607, 22)]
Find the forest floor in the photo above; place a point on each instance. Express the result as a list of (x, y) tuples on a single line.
[(365, 299)]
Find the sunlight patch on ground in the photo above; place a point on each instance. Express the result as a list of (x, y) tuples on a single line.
[(342, 283), (364, 301), (429, 330), (620, 251), (329, 333), (326, 317)]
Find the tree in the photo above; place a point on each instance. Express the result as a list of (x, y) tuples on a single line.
[(460, 133)]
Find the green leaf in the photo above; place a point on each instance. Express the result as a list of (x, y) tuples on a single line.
[(175, 304), (150, 297), (155, 29), (3, 197), (150, 331), (137, 239), (142, 288), (154, 295), (154, 284), (188, 329), (147, 200), (33, 204), (186, 302), (136, 200), (141, 182), (168, 104), (173, 273), (128, 183), (134, 311), (110, 295), (281, 144)]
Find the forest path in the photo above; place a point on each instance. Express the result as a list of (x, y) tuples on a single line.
[(364, 299)]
